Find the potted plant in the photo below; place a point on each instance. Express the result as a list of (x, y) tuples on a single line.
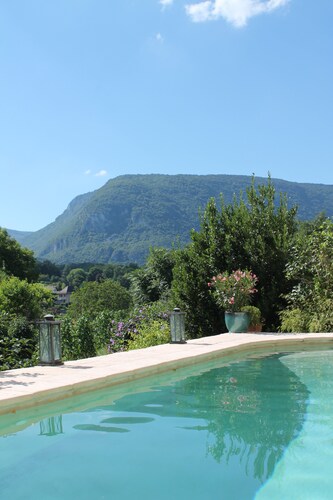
[(255, 324), (232, 292)]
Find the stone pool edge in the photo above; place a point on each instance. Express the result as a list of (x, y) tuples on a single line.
[(29, 387)]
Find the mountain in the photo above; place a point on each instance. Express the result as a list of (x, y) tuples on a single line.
[(120, 221), (19, 235)]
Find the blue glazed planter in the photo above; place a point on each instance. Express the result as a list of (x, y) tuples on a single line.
[(237, 322)]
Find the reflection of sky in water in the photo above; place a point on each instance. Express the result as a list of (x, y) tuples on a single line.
[(221, 434)]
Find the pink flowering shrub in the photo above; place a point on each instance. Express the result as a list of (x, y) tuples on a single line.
[(233, 291)]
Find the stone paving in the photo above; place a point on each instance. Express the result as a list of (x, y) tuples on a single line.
[(30, 387)]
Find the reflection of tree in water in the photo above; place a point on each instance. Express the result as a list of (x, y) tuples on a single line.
[(259, 409), (253, 410)]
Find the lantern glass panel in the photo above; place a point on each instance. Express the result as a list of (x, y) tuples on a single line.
[(45, 347), (56, 341)]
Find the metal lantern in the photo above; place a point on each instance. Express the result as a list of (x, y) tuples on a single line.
[(49, 341), (177, 326)]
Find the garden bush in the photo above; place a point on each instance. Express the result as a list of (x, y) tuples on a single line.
[(154, 333), (18, 342)]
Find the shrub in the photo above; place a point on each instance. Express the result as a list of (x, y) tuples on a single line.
[(294, 320), (77, 338), (18, 342), (155, 333), (233, 291), (255, 314), (124, 331), (310, 271)]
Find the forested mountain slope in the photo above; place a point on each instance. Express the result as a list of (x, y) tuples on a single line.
[(120, 221)]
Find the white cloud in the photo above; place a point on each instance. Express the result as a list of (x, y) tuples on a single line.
[(165, 3), (236, 12), (101, 173), (159, 38), (200, 12)]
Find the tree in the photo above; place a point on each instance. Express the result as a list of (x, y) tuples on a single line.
[(95, 273), (21, 303), (254, 234), (93, 297), (76, 277), (16, 260), (310, 271), (153, 281), (20, 298), (48, 271)]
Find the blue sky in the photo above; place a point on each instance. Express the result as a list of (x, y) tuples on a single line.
[(93, 89)]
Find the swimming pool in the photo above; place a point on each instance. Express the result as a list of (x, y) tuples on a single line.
[(260, 427)]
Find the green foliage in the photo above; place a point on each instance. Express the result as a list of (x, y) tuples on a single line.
[(48, 272), (77, 338), (15, 260), (122, 331), (77, 273), (108, 331), (76, 277), (322, 317), (95, 273), (20, 298), (255, 315), (84, 337), (18, 342), (153, 281), (101, 326), (154, 333), (120, 273), (243, 235), (294, 320), (233, 291), (310, 271), (191, 293), (93, 297), (20, 304)]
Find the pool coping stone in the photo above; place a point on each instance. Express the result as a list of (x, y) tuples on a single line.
[(38, 385)]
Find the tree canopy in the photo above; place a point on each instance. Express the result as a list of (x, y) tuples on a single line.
[(254, 234), (16, 260), (94, 297), (310, 271), (20, 298)]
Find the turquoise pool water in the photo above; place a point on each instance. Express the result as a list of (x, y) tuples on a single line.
[(261, 427)]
